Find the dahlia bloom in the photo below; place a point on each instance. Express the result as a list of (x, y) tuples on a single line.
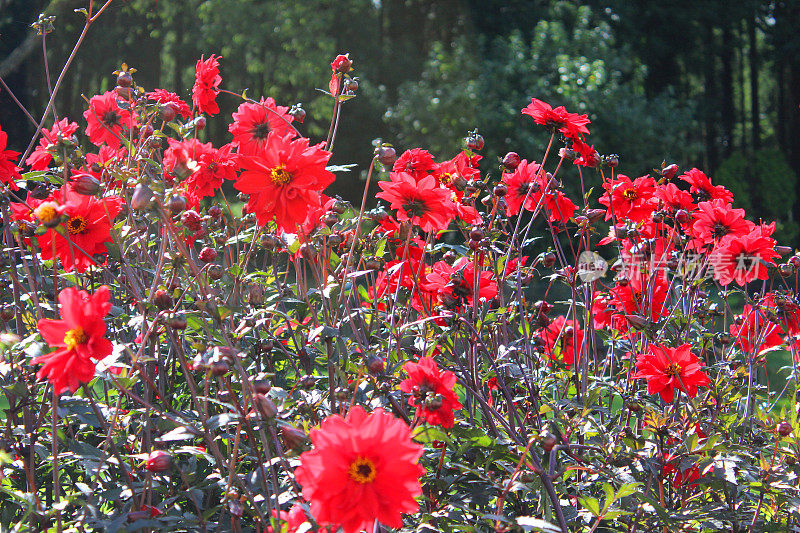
[(362, 468), (526, 184), (667, 369), (674, 198), (571, 125), (454, 284), (252, 124), (422, 202), (431, 392), (417, 162), (79, 336), (43, 154), (206, 85), (284, 179), (163, 96), (632, 199), (205, 168), (566, 336), (701, 185), (754, 332), (88, 224), (716, 219), (743, 258), (105, 120), (9, 171)]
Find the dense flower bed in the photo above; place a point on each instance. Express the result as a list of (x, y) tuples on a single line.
[(460, 358)]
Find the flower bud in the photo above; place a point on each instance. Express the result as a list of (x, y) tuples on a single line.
[(293, 438), (162, 299), (176, 204), (142, 195), (159, 461), (784, 429), (298, 112), (669, 171), (342, 64), (207, 255), (387, 156), (511, 160), (191, 219), (265, 406), (86, 184)]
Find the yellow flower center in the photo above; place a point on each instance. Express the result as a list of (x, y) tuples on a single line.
[(362, 470), (446, 178), (279, 175), (672, 369), (630, 194), (76, 224), (74, 337), (47, 213)]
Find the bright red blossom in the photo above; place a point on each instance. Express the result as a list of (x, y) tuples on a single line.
[(716, 219), (571, 125), (417, 162), (162, 96), (284, 180), (88, 226), (743, 258), (105, 119), (362, 468), (564, 337), (79, 336), (431, 392), (253, 122), (701, 186), (667, 369), (632, 199), (206, 85), (43, 154), (9, 171), (422, 202), (204, 167)]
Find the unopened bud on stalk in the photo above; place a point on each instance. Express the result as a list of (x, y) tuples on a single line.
[(298, 112), (511, 160), (669, 171), (265, 406), (387, 156), (141, 198), (159, 461), (86, 184)]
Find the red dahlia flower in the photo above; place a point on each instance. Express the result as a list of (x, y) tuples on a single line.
[(43, 154), (79, 336), (284, 179), (422, 202), (205, 168), (716, 219), (105, 120), (431, 392), (674, 198), (567, 336), (88, 225), (252, 123), (701, 186), (526, 184), (362, 468), (417, 162), (206, 85), (667, 369), (571, 125), (743, 258), (9, 171), (754, 332), (634, 200), (454, 284), (162, 96)]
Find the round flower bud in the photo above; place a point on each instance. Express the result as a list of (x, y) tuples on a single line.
[(124, 79), (86, 184), (176, 204), (265, 406), (511, 160), (49, 214), (168, 112), (784, 429), (191, 219), (207, 255), (669, 171), (141, 198), (162, 299), (548, 440), (298, 113), (159, 461), (177, 321), (387, 156)]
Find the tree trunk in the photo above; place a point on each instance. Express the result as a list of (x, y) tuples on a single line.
[(728, 107), (754, 72)]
